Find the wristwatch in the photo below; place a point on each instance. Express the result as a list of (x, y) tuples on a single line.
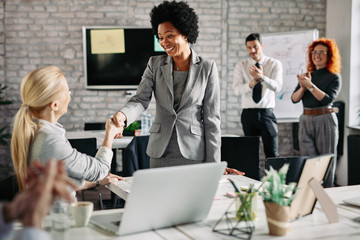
[(97, 183), (311, 89)]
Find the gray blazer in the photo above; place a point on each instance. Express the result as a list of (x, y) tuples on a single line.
[(197, 119)]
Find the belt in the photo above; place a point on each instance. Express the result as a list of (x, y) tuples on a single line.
[(320, 111)]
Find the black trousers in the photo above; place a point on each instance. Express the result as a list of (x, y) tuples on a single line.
[(262, 122)]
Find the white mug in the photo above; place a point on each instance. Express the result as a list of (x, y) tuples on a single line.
[(81, 212)]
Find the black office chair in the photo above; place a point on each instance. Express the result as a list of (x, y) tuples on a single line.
[(134, 157), (88, 126), (8, 188), (87, 146), (296, 164), (242, 153), (94, 126)]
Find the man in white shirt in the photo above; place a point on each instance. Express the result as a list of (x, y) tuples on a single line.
[(257, 79)]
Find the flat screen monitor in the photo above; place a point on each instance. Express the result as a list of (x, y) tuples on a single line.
[(116, 57)]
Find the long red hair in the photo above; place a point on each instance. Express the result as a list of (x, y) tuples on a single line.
[(333, 55)]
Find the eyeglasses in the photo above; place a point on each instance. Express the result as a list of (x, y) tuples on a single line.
[(318, 53)]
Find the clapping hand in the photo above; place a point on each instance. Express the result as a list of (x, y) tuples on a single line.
[(304, 80), (44, 183), (256, 73)]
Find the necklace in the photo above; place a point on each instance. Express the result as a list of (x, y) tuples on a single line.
[(178, 67)]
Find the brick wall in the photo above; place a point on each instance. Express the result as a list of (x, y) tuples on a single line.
[(43, 32)]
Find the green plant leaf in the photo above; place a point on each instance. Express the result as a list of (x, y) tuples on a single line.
[(133, 126), (275, 189)]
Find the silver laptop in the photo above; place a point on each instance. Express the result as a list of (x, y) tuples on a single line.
[(165, 197)]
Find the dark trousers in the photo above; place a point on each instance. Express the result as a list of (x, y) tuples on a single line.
[(262, 122)]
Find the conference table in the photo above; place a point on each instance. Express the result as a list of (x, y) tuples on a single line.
[(313, 226)]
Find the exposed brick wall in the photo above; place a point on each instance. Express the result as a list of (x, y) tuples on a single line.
[(42, 32), (4, 159)]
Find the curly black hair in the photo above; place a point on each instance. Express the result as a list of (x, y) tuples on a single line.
[(180, 14)]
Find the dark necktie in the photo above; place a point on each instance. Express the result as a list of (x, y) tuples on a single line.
[(256, 95)]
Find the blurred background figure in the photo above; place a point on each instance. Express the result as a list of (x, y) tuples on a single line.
[(45, 184), (318, 89), (258, 78)]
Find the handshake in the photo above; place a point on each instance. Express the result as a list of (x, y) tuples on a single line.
[(117, 123)]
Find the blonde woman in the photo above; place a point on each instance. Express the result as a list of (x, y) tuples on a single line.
[(37, 135)]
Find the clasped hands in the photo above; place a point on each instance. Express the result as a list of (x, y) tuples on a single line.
[(44, 184), (257, 74), (119, 120), (304, 80)]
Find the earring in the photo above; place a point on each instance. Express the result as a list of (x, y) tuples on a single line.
[(56, 108)]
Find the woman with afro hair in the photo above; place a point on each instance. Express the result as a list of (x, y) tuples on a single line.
[(186, 129), (318, 88)]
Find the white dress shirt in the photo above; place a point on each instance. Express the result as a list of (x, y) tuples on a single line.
[(273, 79)]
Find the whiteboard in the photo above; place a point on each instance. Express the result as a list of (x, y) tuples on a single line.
[(290, 48)]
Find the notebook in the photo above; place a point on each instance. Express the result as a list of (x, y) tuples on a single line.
[(165, 197)]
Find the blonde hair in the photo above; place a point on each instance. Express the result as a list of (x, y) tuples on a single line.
[(38, 89)]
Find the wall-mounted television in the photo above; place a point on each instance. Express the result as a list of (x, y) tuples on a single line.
[(116, 57)]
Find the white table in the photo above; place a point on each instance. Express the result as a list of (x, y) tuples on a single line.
[(314, 226), (118, 143)]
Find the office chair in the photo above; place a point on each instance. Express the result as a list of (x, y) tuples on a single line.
[(134, 157), (296, 164), (88, 126), (87, 146), (242, 153), (8, 188), (94, 126)]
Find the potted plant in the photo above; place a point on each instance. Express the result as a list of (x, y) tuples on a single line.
[(277, 197), (130, 130)]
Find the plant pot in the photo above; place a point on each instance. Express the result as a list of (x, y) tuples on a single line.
[(277, 218)]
